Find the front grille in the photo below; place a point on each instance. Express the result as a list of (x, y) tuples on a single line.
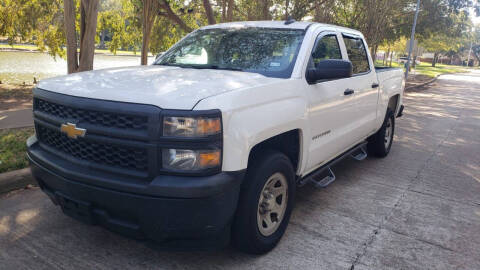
[(105, 154), (105, 119)]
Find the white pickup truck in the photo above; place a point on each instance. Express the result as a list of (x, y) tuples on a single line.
[(209, 143)]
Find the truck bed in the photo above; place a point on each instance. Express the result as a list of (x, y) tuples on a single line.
[(384, 68)]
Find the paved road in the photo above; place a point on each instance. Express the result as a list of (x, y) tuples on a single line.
[(417, 209), (16, 119)]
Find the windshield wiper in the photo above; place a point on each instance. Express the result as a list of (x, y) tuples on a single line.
[(167, 64), (201, 66), (224, 68)]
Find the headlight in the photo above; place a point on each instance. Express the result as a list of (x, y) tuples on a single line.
[(191, 126), (190, 160)]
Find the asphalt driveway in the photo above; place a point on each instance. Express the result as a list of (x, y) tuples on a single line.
[(419, 208)]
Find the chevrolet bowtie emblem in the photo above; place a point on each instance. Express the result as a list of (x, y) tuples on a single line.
[(72, 131)]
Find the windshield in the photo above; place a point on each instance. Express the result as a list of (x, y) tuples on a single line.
[(268, 51)]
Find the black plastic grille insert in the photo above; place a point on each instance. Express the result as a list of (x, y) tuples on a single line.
[(105, 154), (106, 119)]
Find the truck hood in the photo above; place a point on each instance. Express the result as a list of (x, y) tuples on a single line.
[(163, 86)]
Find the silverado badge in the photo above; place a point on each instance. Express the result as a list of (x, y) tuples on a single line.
[(72, 131)]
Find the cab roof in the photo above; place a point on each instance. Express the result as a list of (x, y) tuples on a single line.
[(264, 24), (281, 25)]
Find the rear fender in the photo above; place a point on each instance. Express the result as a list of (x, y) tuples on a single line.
[(392, 83)]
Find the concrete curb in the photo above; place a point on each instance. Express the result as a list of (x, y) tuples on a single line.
[(15, 180), (422, 84)]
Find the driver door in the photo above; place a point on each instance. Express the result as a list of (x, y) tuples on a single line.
[(331, 106)]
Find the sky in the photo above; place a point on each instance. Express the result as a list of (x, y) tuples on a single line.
[(475, 19)]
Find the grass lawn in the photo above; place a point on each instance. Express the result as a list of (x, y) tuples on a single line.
[(13, 147), (19, 47), (427, 69), (394, 64), (106, 51)]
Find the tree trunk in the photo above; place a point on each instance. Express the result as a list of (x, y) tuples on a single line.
[(209, 11), (144, 53), (391, 58), (287, 3), (231, 6), (265, 9), (88, 27), (385, 55), (71, 35), (102, 38), (224, 11), (478, 59), (150, 9), (145, 32), (373, 52), (434, 60)]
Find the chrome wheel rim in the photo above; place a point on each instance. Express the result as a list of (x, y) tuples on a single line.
[(388, 133), (272, 204)]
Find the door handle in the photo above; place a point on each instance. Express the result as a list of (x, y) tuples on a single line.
[(348, 92), (375, 85)]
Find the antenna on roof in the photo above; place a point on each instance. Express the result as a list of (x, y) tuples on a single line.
[(289, 20)]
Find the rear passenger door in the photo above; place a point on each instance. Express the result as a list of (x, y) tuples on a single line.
[(365, 85)]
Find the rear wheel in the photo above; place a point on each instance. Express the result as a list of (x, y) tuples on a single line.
[(265, 203), (380, 143)]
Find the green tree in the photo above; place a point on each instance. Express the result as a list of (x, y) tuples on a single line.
[(450, 39), (34, 21), (122, 26)]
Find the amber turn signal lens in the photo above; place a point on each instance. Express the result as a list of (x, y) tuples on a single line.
[(209, 126), (209, 159), (190, 160)]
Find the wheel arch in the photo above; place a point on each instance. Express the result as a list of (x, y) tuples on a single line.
[(393, 103), (289, 143)]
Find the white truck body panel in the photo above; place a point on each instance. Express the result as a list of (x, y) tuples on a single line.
[(391, 80), (312, 109), (255, 107), (162, 86)]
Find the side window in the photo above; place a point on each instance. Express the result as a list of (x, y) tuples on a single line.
[(327, 48), (357, 54)]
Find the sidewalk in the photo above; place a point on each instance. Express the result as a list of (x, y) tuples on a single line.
[(16, 119), (419, 208)]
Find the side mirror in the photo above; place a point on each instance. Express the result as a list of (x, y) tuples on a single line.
[(329, 69)]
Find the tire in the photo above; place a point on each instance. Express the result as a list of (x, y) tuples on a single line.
[(249, 235), (380, 143)]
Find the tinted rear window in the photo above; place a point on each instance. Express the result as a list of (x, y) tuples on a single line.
[(357, 54)]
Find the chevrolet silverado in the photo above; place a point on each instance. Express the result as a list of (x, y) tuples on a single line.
[(208, 144)]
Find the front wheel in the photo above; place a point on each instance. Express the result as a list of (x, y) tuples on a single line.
[(265, 203), (380, 143)]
